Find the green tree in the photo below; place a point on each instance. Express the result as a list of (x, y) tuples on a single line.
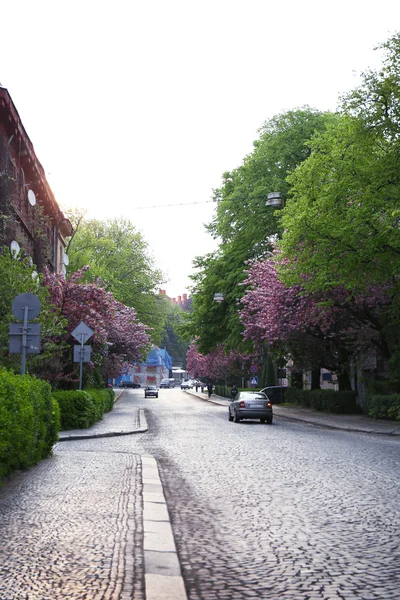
[(170, 339), (119, 256), (342, 220), (18, 276), (246, 228)]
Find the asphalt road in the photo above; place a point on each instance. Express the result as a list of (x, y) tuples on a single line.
[(258, 511)]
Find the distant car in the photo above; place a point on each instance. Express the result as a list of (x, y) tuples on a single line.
[(150, 390), (187, 385), (275, 393), (251, 405), (167, 383), (129, 384)]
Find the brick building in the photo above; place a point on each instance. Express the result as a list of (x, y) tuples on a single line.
[(29, 214)]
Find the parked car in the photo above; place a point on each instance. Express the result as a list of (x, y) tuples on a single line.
[(251, 405), (276, 393), (167, 383), (129, 384), (151, 390), (187, 385)]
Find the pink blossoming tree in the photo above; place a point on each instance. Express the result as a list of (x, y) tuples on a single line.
[(118, 336), (316, 330)]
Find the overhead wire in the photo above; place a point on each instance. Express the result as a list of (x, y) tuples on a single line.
[(169, 205)]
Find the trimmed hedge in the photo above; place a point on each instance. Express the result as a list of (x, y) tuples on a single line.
[(79, 409), (382, 406), (324, 400), (29, 421)]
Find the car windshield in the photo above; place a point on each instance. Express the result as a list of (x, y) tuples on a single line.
[(151, 387)]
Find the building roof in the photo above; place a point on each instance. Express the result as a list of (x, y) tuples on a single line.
[(159, 357)]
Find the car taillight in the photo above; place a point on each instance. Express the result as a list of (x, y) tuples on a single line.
[(269, 405), (242, 404)]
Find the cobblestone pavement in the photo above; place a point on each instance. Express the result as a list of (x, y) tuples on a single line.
[(257, 511), (70, 528), (281, 511)]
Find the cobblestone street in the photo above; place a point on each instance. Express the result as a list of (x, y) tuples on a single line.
[(257, 511)]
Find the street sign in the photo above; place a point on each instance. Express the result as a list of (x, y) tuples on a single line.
[(253, 380), (32, 338), (82, 333), (253, 369), (82, 353), (22, 301)]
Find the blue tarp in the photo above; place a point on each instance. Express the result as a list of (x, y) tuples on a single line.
[(159, 357)]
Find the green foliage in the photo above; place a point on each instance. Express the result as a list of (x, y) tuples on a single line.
[(29, 421), (324, 400), (247, 228), (170, 338), (225, 390), (384, 406), (118, 255), (342, 221), (16, 278), (104, 400), (79, 409)]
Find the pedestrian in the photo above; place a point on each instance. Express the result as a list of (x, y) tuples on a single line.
[(209, 389), (234, 391), (197, 385), (202, 388)]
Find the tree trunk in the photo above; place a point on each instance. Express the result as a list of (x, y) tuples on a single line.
[(316, 379), (296, 379), (344, 381)]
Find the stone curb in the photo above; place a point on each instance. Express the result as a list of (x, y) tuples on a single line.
[(394, 433), (91, 436), (163, 577)]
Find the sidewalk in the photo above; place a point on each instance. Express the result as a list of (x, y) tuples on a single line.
[(120, 421), (356, 423), (162, 571)]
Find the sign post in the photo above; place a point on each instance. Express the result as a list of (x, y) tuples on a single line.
[(25, 338), (82, 353)]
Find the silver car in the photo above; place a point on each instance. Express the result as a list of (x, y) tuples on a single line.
[(251, 405)]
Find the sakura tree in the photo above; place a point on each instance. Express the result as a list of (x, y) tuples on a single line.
[(118, 336), (320, 329), (216, 365)]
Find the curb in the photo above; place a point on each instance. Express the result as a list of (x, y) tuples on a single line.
[(163, 576), (394, 433), (91, 436)]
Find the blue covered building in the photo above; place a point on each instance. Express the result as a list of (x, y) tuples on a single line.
[(158, 366)]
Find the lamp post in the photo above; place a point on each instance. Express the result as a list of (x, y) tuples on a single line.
[(274, 199)]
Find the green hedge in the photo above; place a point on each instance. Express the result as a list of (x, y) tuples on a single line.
[(79, 409), (382, 406), (29, 421), (324, 400)]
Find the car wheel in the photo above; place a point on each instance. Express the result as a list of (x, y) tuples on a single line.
[(156, 395), (269, 421), (236, 418), (230, 416), (262, 420)]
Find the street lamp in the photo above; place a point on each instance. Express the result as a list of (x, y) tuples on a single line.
[(274, 199)]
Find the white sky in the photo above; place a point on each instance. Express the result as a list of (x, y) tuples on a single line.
[(143, 103)]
